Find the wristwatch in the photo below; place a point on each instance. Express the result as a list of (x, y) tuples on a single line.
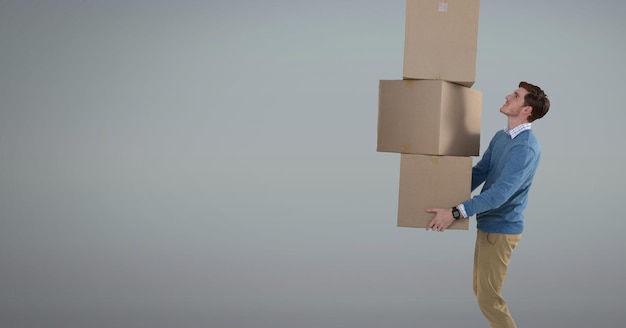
[(456, 214)]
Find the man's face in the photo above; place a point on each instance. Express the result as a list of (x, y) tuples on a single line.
[(514, 104)]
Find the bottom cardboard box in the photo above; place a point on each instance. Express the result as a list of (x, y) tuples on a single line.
[(432, 181)]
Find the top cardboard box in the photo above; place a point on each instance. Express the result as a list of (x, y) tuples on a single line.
[(441, 38)]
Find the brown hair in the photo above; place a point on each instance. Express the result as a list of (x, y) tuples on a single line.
[(537, 99)]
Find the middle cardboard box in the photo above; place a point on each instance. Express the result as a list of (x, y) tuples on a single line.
[(429, 117)]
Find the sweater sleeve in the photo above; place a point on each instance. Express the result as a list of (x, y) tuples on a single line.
[(518, 164), (481, 169)]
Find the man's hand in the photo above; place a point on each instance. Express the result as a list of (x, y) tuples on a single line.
[(442, 220)]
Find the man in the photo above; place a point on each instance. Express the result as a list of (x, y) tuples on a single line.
[(507, 169)]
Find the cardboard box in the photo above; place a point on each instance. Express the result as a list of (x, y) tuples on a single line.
[(432, 181), (440, 40), (428, 117)]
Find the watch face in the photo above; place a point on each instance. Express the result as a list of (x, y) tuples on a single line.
[(455, 213)]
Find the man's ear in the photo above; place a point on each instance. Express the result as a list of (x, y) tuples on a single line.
[(528, 110)]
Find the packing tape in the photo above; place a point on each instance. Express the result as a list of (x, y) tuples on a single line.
[(443, 6)]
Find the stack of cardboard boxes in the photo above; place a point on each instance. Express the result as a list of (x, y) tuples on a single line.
[(432, 116)]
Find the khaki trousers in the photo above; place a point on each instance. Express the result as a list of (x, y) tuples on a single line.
[(491, 261)]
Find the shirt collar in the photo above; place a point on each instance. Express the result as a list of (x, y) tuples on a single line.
[(517, 130)]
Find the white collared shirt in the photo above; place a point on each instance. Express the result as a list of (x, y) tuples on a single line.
[(517, 130), (514, 132)]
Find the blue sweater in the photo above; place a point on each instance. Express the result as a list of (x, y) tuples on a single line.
[(507, 168)]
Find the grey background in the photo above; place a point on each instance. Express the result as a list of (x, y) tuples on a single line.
[(212, 164)]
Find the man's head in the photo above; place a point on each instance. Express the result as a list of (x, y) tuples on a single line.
[(526, 104), (537, 99)]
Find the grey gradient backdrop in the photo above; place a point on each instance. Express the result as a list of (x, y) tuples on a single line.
[(212, 164)]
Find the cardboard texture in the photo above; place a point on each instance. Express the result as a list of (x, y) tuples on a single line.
[(441, 39), (429, 117), (432, 181)]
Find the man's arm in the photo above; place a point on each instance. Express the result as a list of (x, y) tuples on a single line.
[(518, 165), (443, 216), (481, 169), (508, 183)]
